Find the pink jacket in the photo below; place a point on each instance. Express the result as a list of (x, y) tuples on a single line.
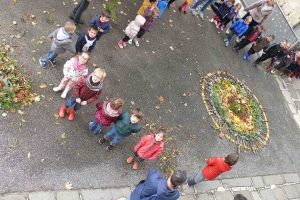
[(147, 148), (103, 116)]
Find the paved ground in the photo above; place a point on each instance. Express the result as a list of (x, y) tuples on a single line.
[(140, 76), (270, 187)]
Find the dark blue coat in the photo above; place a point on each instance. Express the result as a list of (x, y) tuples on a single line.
[(96, 21), (224, 9), (81, 42), (154, 188)]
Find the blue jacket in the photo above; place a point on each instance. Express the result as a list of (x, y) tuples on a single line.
[(81, 42), (154, 188), (239, 27), (96, 21)]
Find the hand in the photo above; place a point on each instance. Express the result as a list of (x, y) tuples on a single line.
[(288, 56), (78, 100), (242, 37), (263, 52), (101, 30), (48, 38), (83, 103), (152, 7)]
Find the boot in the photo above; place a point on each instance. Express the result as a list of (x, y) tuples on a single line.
[(135, 165), (180, 9), (185, 12), (58, 88), (130, 159), (72, 115), (136, 42), (190, 182), (246, 55), (64, 94), (62, 111), (218, 25), (120, 43), (222, 27)]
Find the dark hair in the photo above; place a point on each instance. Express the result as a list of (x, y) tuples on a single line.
[(231, 159), (239, 197), (106, 13), (138, 113), (116, 103), (272, 36), (163, 131), (178, 177), (94, 27), (152, 1)]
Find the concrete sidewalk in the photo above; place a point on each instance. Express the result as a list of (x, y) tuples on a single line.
[(270, 187)]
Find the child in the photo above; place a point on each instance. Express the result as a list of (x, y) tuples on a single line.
[(271, 51), (149, 147), (215, 166), (238, 29), (223, 10), (258, 45), (87, 41), (290, 58), (250, 36), (132, 30), (106, 113), (295, 69), (102, 22), (185, 6), (151, 14), (280, 56), (62, 41), (233, 12), (128, 123), (73, 69), (87, 89), (146, 4)]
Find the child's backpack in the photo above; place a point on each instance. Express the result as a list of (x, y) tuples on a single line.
[(162, 5)]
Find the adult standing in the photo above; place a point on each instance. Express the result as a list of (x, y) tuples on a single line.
[(260, 11), (78, 10), (157, 187), (208, 3)]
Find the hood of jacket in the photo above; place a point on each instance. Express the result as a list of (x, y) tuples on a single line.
[(139, 20), (164, 193)]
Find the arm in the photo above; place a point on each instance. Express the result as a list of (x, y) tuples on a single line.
[(79, 42), (99, 105), (255, 5), (266, 17), (95, 97), (210, 161), (77, 86), (70, 47), (235, 23), (52, 34), (140, 144), (243, 31), (156, 153), (93, 22), (147, 12), (106, 29)]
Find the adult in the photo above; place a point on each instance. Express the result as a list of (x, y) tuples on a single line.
[(157, 187), (78, 10), (208, 3), (260, 11)]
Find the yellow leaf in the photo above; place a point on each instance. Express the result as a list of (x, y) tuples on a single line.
[(43, 85), (56, 122), (28, 155), (116, 48), (95, 65), (33, 59), (37, 98), (132, 102), (56, 115), (171, 25), (42, 160), (33, 23), (15, 1), (161, 99), (68, 185)]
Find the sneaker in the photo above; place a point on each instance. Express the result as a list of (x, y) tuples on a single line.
[(227, 43), (135, 165), (130, 159), (216, 22), (212, 20), (290, 79), (124, 44), (120, 43), (237, 39), (201, 14), (102, 141), (227, 31), (225, 40), (180, 9), (136, 42), (109, 148), (218, 25), (53, 62), (130, 41), (42, 64), (194, 12)]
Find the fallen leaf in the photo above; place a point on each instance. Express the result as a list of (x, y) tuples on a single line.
[(43, 85), (39, 72), (161, 99), (42, 160), (157, 107), (171, 25), (95, 65), (21, 112), (116, 48), (46, 12), (132, 102), (18, 36), (4, 114), (23, 120), (64, 3), (37, 98), (33, 59), (171, 48), (53, 10), (63, 136), (28, 155), (14, 22), (185, 104), (56, 115), (184, 95), (33, 23), (15, 1), (68, 186)]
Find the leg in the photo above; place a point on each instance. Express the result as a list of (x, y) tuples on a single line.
[(126, 39), (141, 33), (170, 2), (231, 36), (51, 55), (244, 42), (70, 102), (110, 133), (138, 160), (62, 84), (93, 125), (208, 3), (280, 66), (82, 6), (199, 177), (116, 139), (251, 51), (98, 36), (69, 86), (294, 74), (263, 58), (98, 129), (198, 3)]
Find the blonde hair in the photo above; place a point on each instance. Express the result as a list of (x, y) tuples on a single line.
[(249, 19), (86, 53), (238, 5), (100, 73), (70, 27), (155, 11)]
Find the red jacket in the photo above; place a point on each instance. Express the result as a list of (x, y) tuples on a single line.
[(82, 91), (215, 167), (103, 116), (148, 148)]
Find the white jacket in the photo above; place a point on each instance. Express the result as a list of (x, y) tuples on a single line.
[(71, 73), (134, 27)]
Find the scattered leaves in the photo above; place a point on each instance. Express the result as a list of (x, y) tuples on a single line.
[(28, 155), (63, 136), (56, 115), (43, 85), (161, 99), (68, 186)]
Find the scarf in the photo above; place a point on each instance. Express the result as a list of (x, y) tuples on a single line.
[(88, 43), (92, 87), (110, 110), (62, 35), (266, 7), (77, 66)]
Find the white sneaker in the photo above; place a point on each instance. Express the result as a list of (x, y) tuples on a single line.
[(130, 41), (290, 79), (237, 39), (212, 20), (227, 31), (136, 42), (194, 12), (201, 14)]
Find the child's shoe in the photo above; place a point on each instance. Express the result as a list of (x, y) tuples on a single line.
[(62, 111), (130, 41), (227, 43), (109, 148), (269, 68), (254, 64), (65, 92), (72, 115), (58, 88), (227, 31), (130, 159), (222, 27), (212, 20), (42, 64), (124, 44), (102, 141), (135, 165), (120, 43), (194, 12), (180, 9), (226, 39), (190, 182), (53, 62), (218, 25), (246, 56), (201, 14), (136, 42), (184, 12)]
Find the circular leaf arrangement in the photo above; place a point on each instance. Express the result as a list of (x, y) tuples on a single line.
[(235, 110)]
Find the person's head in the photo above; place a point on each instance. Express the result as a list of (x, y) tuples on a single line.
[(155, 2), (237, 6), (287, 46), (92, 32), (155, 12), (230, 2), (105, 16), (283, 43), (160, 135), (297, 54), (83, 58), (261, 28), (270, 38), (136, 116), (271, 2), (177, 178), (239, 197), (231, 159), (248, 20), (70, 27), (98, 75), (116, 103)]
